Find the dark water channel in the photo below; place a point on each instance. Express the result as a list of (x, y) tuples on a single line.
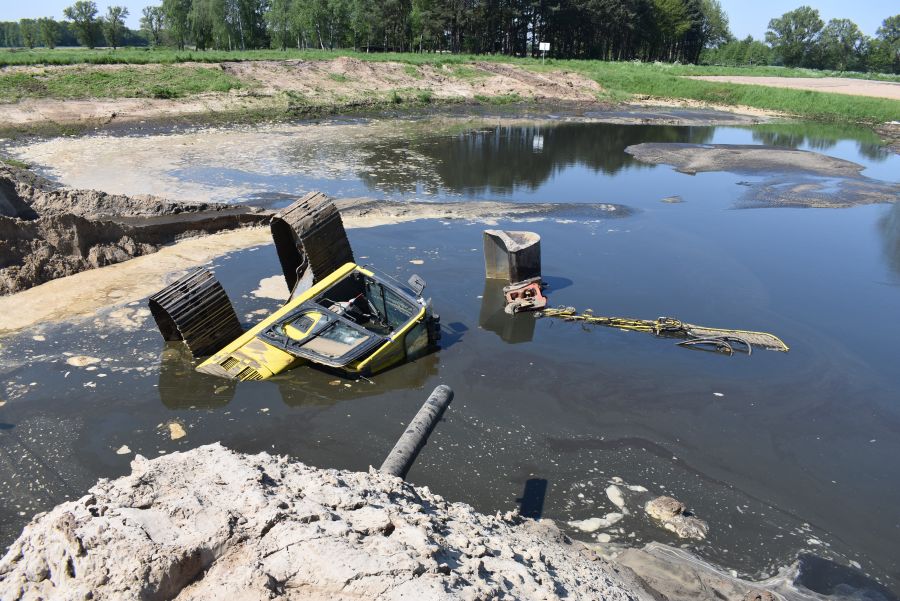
[(780, 453)]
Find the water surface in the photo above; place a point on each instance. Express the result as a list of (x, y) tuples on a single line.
[(780, 453)]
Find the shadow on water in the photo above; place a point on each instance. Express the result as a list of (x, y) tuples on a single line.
[(452, 333), (555, 283), (531, 503), (826, 577), (503, 159), (512, 329)]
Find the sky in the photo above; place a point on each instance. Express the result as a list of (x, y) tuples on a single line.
[(751, 17), (747, 17)]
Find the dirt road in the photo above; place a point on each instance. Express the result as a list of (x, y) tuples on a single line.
[(834, 85)]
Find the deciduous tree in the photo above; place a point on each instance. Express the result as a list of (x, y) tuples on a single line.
[(843, 45), (794, 36), (176, 13), (50, 32), (29, 32), (83, 15), (114, 25), (152, 23)]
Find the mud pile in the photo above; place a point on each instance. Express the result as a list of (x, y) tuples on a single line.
[(48, 232), (213, 524)]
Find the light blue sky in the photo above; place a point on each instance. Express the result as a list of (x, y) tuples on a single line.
[(746, 16)]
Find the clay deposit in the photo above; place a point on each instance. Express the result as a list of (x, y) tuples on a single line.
[(47, 232), (793, 178), (738, 158), (213, 524)]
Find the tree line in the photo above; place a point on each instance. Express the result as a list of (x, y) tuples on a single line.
[(83, 27), (800, 38), (602, 29), (687, 31)]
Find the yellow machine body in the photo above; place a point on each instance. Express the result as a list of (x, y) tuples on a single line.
[(304, 323)]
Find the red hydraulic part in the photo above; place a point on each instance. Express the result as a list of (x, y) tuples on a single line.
[(525, 296)]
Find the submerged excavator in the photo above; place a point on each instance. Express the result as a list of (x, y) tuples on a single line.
[(340, 315), (347, 318)]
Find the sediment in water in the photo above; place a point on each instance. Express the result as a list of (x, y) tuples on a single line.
[(794, 178)]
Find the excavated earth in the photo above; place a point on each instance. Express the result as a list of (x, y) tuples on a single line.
[(212, 524), (48, 232), (298, 87)]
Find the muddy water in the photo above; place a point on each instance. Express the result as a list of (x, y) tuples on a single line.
[(781, 453)]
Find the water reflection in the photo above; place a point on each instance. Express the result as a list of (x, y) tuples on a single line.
[(512, 329), (181, 387), (503, 159), (820, 137), (307, 386)]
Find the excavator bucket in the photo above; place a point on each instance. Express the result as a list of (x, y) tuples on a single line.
[(512, 256)]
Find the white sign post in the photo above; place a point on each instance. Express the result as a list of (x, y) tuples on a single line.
[(543, 47)]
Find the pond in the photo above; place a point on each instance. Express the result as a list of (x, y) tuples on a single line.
[(781, 453)]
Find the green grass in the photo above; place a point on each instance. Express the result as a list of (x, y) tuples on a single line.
[(338, 77), (466, 72), (500, 100), (14, 162), (667, 81), (163, 81), (620, 81)]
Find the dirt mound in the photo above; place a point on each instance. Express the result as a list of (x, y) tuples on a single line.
[(554, 84), (43, 249), (285, 87), (45, 197), (324, 81), (213, 524), (48, 232)]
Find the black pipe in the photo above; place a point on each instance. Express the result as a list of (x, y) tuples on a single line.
[(404, 453)]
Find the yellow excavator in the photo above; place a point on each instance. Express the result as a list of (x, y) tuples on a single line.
[(340, 315)]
